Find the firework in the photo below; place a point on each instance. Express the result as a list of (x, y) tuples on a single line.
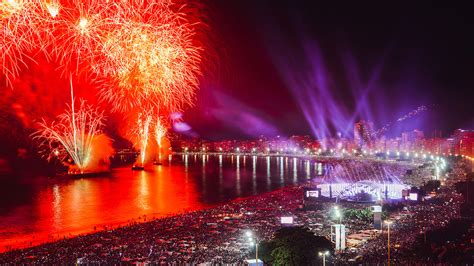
[(160, 132), (78, 30), (141, 133), (73, 135), (53, 8), (150, 58), (19, 20), (140, 51)]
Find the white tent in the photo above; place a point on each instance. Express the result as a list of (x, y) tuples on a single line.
[(251, 262)]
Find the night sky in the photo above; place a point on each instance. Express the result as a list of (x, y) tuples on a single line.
[(295, 67), (353, 59)]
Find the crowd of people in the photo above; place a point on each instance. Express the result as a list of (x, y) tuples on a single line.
[(217, 235), (411, 225), (406, 228)]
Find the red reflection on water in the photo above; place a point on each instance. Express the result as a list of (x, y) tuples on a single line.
[(77, 206)]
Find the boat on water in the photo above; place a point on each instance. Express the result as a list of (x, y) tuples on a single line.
[(136, 167), (74, 174)]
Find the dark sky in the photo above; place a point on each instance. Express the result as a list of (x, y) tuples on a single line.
[(314, 67)]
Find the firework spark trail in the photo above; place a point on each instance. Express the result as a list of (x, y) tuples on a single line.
[(409, 115), (72, 135), (140, 132), (160, 133), (413, 113)]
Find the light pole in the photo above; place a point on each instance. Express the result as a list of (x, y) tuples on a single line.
[(337, 213), (388, 223), (324, 254), (253, 240)]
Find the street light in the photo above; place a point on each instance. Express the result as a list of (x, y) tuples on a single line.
[(324, 254), (253, 240), (388, 223)]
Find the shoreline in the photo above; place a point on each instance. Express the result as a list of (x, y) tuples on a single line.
[(216, 235), (143, 219), (32, 240), (204, 217), (213, 234)]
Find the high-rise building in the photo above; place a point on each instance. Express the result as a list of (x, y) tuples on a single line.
[(413, 140), (464, 142), (363, 134)]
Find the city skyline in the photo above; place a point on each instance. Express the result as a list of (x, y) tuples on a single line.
[(402, 64), (459, 143)]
